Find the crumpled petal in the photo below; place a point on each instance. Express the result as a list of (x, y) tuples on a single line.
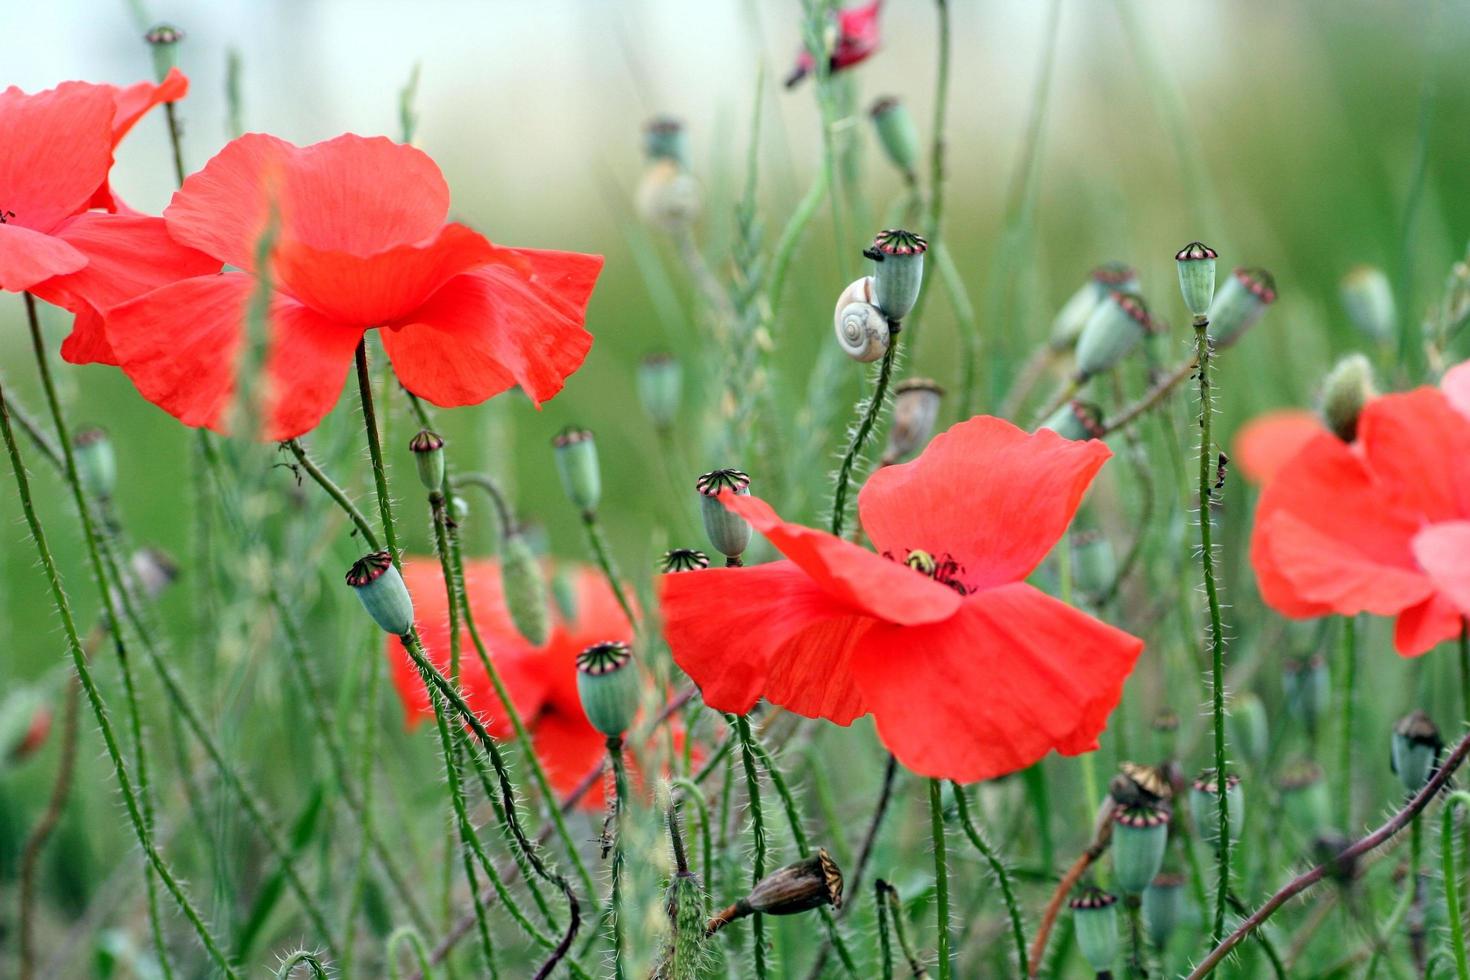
[(1269, 441), (56, 151)]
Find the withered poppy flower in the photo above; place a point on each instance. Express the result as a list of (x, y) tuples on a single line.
[(857, 40)]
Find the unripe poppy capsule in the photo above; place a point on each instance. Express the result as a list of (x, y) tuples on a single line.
[(1203, 806), (163, 43), (898, 271), (576, 464), (1163, 907), (660, 382), (1196, 265), (1415, 750), (1304, 796), (1095, 919), (1076, 420), (382, 592), (96, 462), (1347, 388), (1117, 325), (897, 134), (915, 410), (428, 458), (524, 589), (1140, 834), (607, 683), (1367, 296), (1239, 303), (728, 532)]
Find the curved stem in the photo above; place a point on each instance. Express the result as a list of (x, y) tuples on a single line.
[(941, 876), (758, 835), (302, 958), (304, 460), (600, 552), (407, 934), (870, 412), (997, 868), (41, 832)]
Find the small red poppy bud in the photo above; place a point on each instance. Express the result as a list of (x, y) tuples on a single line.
[(807, 884), (163, 42), (428, 457), (382, 592), (683, 560)]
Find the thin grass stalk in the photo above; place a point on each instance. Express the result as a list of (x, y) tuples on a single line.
[(409, 935), (1347, 700)]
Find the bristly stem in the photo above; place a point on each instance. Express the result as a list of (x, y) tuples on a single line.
[(870, 413), (1217, 628), (997, 868), (941, 876), (1465, 665), (618, 804), (1349, 685), (375, 451), (603, 556), (758, 835), (338, 495)]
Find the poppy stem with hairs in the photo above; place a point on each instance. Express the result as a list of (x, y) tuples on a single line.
[(870, 412), (1150, 398), (941, 876), (1217, 629), (1465, 665), (741, 723), (615, 829), (603, 556), (997, 868), (375, 451), (1349, 684)]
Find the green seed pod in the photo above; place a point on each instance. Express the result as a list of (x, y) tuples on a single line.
[(1140, 834), (564, 592), (1346, 389), (576, 463), (897, 134), (660, 388), (807, 884), (1239, 303), (96, 462), (1077, 420), (1204, 808), (898, 271), (1415, 749), (1249, 729), (1196, 265), (1164, 907), (607, 682), (915, 410), (25, 720), (1094, 563), (1368, 298), (1073, 316), (1095, 920), (1117, 325), (664, 139), (729, 533), (683, 560), (377, 583), (524, 589), (163, 43), (1306, 683), (428, 457), (1304, 797)]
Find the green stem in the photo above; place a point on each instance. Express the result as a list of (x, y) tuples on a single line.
[(885, 946), (1465, 665), (603, 556), (302, 957), (619, 803), (375, 451), (941, 876), (900, 930), (304, 460), (1345, 748), (758, 835), (693, 794), (870, 412), (1453, 901), (407, 934), (997, 868)]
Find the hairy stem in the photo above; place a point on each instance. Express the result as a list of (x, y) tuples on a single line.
[(997, 868), (758, 836), (869, 418), (941, 876)]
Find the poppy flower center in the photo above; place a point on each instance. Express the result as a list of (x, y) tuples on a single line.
[(943, 569)]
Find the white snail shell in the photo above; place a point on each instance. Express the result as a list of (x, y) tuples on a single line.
[(862, 330), (857, 291)]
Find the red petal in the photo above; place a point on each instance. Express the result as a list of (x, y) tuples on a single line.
[(992, 497), (1327, 570), (741, 633), (864, 581), (30, 257), (1012, 676), (1269, 441), (56, 150), (1419, 447), (1443, 551), (598, 619), (132, 102), (1421, 628), (569, 748), (1456, 387)]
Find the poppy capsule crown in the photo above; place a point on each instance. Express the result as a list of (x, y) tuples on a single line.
[(683, 560), (428, 457), (1095, 917), (898, 272), (163, 43), (576, 464), (607, 684)]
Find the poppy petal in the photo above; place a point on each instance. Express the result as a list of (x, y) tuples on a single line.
[(1456, 387), (132, 102), (1419, 447), (569, 748), (56, 152), (30, 257), (1444, 552), (864, 581), (1012, 676), (597, 618), (992, 497), (1327, 570), (1269, 441), (1421, 628)]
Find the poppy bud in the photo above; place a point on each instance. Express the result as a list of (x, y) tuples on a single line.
[(1095, 920), (377, 583), (1368, 299), (728, 532), (915, 410), (564, 593), (1196, 265), (1094, 563), (1304, 796), (524, 588), (1239, 303), (163, 42), (607, 683), (152, 572), (686, 954), (1346, 389), (1306, 683), (1117, 325), (897, 134), (1163, 907), (1075, 312), (576, 463), (1140, 834), (664, 139), (1203, 806), (1077, 420), (96, 462), (1415, 750), (807, 884), (898, 271), (25, 721), (1249, 728), (428, 456), (683, 560), (668, 197), (660, 387)]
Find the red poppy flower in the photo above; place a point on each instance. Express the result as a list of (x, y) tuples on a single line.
[(542, 682), (968, 672), (1379, 526), (857, 39), (129, 104), (1269, 441), (362, 242), (54, 163)]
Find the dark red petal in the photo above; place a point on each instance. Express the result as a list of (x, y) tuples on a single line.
[(30, 257), (56, 151), (1443, 550), (1015, 674), (1267, 442), (1421, 628), (991, 496), (1418, 446)]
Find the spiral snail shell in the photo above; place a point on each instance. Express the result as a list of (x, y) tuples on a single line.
[(861, 328)]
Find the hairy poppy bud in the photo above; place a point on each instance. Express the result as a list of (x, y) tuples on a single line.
[(1196, 265), (524, 588), (728, 532), (1163, 907), (1368, 299), (1074, 314), (1239, 303), (576, 463), (897, 134), (564, 593), (1077, 420), (1117, 325), (1249, 728), (898, 260), (687, 953), (807, 884), (1346, 389), (607, 683), (915, 410), (96, 462), (1095, 920), (664, 139), (1140, 834), (25, 721), (660, 388), (1415, 750), (428, 456), (163, 42), (1304, 796), (683, 560), (1094, 563), (1306, 683), (377, 583), (1203, 806)]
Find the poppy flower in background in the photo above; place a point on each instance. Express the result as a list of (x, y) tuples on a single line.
[(1381, 525), (969, 672), (857, 39), (54, 163), (361, 243), (1269, 441)]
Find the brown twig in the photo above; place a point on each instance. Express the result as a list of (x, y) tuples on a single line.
[(1064, 887), (1150, 398)]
